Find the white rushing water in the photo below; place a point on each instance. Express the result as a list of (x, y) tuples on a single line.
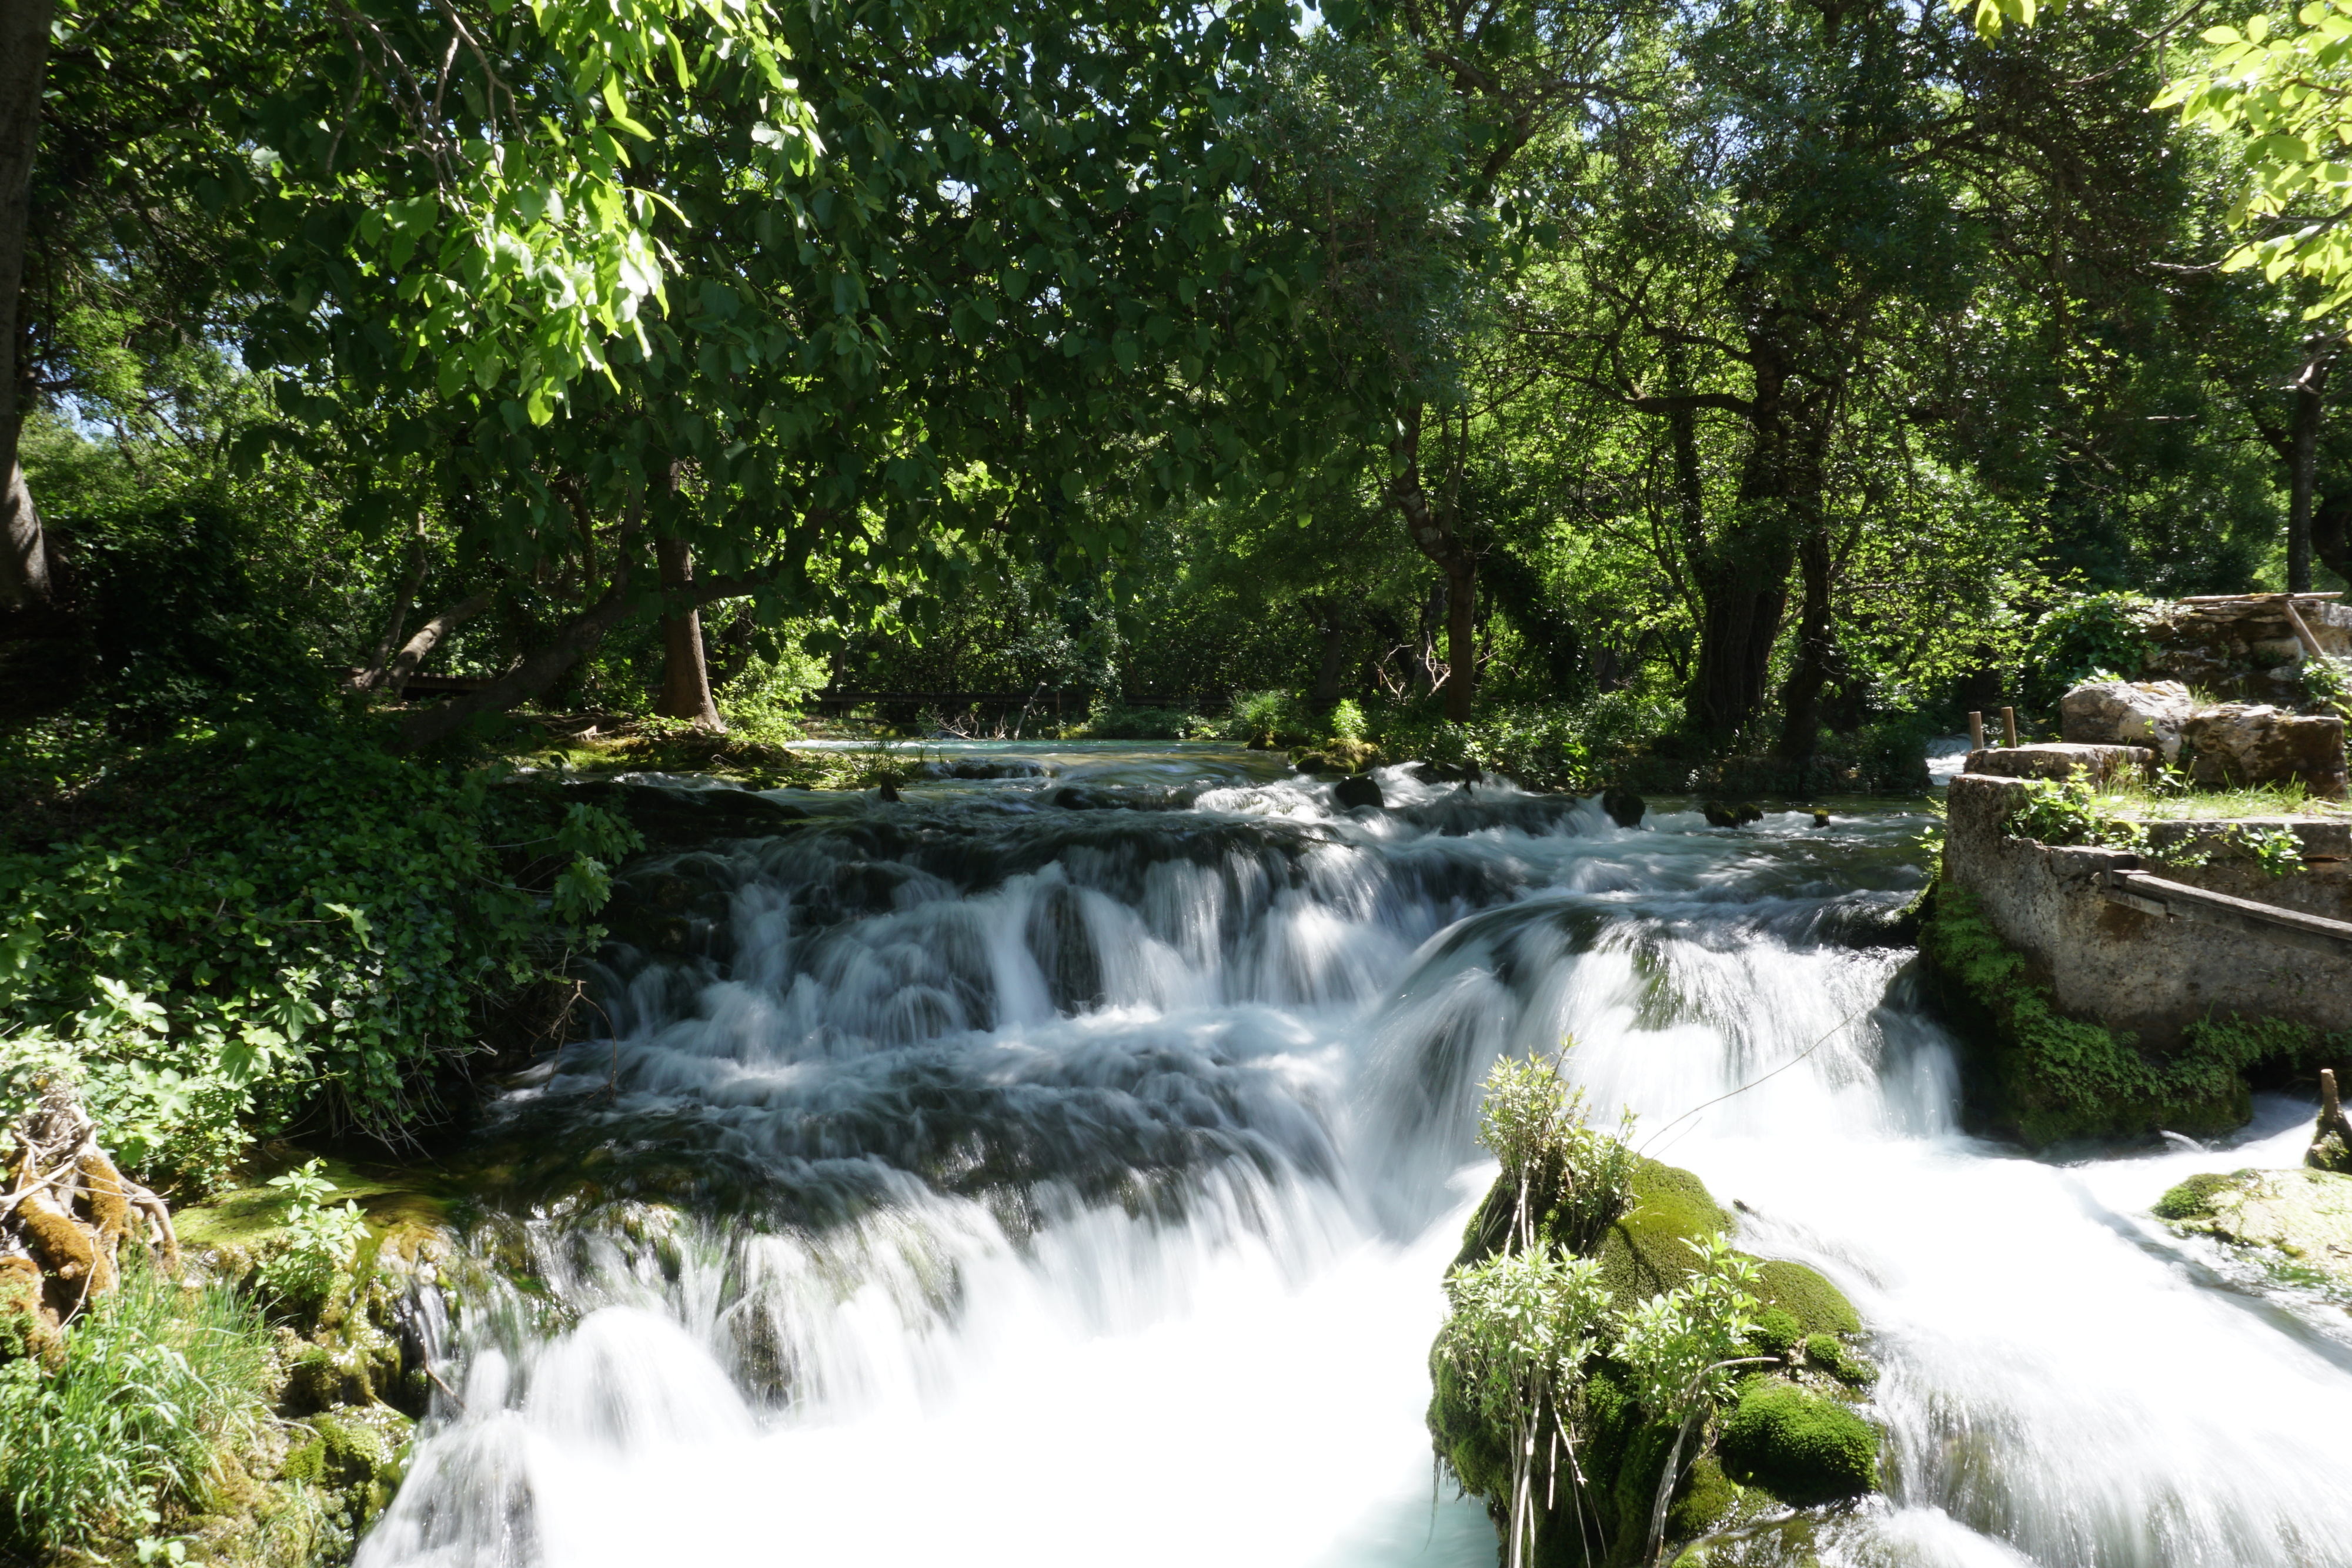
[(1004, 1182)]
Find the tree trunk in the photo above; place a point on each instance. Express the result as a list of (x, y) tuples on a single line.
[(1433, 534), (1332, 667), (419, 648), (2331, 534), (2310, 392), (1742, 595), (1801, 700), (372, 677), (1741, 576), (686, 677), (24, 62), (534, 674)]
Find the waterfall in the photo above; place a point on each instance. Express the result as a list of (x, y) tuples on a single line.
[(985, 1180)]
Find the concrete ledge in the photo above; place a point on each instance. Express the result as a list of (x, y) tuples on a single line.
[(2133, 969)]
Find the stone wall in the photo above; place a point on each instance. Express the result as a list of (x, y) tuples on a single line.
[(2141, 972)]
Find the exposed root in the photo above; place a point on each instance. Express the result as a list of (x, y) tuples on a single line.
[(63, 1218)]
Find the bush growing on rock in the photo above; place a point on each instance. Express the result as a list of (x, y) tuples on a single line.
[(1599, 1325)]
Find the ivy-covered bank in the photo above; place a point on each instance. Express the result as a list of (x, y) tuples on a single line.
[(2030, 1072), (1614, 1379), (2081, 1018), (271, 931)]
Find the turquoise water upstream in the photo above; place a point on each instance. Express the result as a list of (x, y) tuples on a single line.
[(998, 1181)]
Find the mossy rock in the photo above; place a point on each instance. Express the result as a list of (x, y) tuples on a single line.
[(1649, 1248), (2193, 1199), (1777, 1333), (1807, 1296), (358, 1456), (1833, 1356), (1803, 1447), (2297, 1223)]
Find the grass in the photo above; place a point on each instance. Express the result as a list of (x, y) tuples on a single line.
[(156, 1379), (2132, 796)]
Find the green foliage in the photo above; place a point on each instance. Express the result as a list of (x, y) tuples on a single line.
[(2282, 88), (287, 924), (2277, 851), (2326, 686), (762, 700), (1267, 719), (156, 1378), (1110, 719), (2073, 811), (1519, 1329), (1348, 722), (1542, 746), (1679, 1345), (1572, 1176), (2081, 637)]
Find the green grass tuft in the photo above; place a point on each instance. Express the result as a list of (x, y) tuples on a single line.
[(155, 1379)]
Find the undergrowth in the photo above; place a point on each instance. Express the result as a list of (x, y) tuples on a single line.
[(155, 1379), (281, 927)]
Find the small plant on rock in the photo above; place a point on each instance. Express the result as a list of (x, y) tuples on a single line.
[(2072, 812), (1682, 1346), (322, 1240), (2277, 851), (1534, 1122), (1522, 1326)]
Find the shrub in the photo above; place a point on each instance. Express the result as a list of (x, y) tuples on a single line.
[(1266, 720), (155, 1378), (2083, 636), (279, 924), (1110, 718), (321, 1241)]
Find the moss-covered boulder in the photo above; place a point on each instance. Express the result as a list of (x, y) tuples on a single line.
[(2297, 1224), (1802, 1444)]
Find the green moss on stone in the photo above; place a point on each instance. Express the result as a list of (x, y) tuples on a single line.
[(1805, 1295), (1649, 1248), (1777, 1333), (1620, 1450), (2193, 1197), (1834, 1356), (1804, 1448)]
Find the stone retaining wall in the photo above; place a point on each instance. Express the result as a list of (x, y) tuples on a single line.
[(2143, 972)]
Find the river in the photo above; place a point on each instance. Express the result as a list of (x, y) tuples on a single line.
[(1009, 1183)]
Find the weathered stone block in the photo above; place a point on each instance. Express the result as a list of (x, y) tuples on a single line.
[(2249, 743), (2127, 712), (2063, 760)]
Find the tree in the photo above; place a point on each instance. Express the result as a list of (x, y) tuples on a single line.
[(23, 59)]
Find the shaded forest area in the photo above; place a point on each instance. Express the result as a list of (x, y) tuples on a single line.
[(393, 389)]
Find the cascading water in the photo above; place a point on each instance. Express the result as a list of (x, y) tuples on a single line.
[(1000, 1182)]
